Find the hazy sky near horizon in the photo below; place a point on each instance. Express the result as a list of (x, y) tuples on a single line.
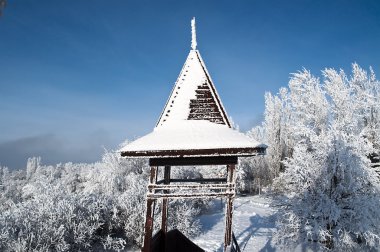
[(79, 76)]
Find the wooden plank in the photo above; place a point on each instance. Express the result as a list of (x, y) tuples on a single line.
[(203, 105), (167, 175), (185, 161), (218, 101), (189, 195), (148, 228), (153, 171), (164, 209), (148, 225), (181, 186), (201, 181), (228, 222), (229, 207)]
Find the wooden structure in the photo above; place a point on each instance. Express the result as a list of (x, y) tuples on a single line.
[(193, 130)]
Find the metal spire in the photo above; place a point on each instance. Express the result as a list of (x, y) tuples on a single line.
[(193, 35)]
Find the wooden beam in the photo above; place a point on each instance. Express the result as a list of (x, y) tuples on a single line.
[(148, 228), (189, 195), (197, 186), (153, 171), (185, 161), (229, 207), (148, 225), (164, 209), (201, 181), (221, 152)]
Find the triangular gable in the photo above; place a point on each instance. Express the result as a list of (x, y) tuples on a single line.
[(194, 96)]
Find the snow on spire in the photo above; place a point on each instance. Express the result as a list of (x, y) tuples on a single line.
[(193, 35)]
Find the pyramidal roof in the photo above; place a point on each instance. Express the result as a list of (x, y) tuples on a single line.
[(194, 96), (194, 121)]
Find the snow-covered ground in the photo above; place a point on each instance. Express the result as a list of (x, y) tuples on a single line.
[(253, 225)]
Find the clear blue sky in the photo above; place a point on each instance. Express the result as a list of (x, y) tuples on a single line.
[(79, 75)]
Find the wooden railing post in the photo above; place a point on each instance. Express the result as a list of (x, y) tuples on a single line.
[(148, 228), (164, 208), (229, 206)]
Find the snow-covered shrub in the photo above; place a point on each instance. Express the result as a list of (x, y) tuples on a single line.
[(72, 206), (81, 207), (333, 192)]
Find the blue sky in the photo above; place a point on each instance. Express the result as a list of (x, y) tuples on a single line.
[(77, 76)]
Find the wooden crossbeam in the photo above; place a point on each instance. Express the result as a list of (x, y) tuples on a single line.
[(200, 187), (190, 195), (185, 161), (201, 181)]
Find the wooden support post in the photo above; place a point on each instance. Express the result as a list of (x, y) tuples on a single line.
[(164, 208), (148, 228), (229, 206)]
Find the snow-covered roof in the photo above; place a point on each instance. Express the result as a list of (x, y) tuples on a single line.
[(194, 121), (194, 96), (193, 138)]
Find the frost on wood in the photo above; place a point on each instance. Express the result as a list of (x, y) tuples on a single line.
[(204, 107)]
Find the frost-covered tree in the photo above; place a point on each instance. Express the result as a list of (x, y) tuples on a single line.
[(80, 207), (253, 173), (333, 193), (273, 127), (278, 130), (366, 89)]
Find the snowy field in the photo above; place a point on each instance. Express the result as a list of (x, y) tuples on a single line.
[(253, 225)]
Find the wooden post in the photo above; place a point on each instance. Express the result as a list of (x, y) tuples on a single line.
[(148, 229), (164, 208), (229, 206)]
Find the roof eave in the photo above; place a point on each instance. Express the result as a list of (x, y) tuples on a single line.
[(239, 152)]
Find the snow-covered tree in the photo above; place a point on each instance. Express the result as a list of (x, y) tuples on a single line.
[(333, 193), (278, 130), (80, 207), (253, 173), (273, 127)]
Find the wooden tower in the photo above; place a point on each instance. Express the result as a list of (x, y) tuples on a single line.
[(193, 130)]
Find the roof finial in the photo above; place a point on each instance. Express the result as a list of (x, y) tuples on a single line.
[(193, 35)]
